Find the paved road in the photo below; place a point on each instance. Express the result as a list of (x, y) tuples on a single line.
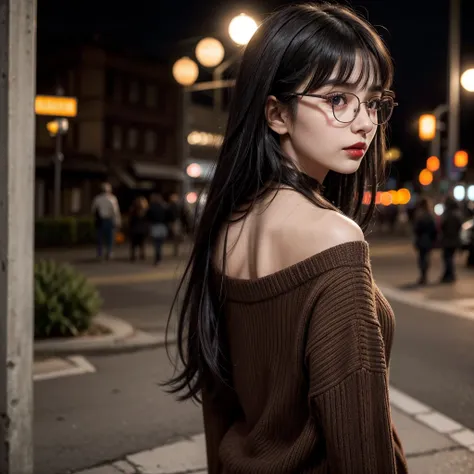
[(85, 420), (433, 358), (81, 421)]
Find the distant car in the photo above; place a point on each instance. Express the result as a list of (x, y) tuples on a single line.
[(467, 233)]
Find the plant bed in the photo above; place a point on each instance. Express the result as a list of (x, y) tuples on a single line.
[(65, 302)]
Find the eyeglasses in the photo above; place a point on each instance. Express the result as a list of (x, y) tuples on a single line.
[(346, 106)]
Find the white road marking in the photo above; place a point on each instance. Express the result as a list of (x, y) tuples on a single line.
[(54, 368), (464, 437), (440, 423), (407, 404), (431, 418)]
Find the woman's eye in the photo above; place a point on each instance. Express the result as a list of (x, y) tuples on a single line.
[(338, 100)]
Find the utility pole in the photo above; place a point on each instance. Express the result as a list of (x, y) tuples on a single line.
[(58, 159), (17, 159), (454, 77)]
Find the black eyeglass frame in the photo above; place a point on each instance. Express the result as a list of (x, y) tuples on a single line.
[(387, 94)]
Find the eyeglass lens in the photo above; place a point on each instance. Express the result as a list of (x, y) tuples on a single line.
[(346, 106)]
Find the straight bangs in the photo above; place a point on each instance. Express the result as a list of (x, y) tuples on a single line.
[(335, 59)]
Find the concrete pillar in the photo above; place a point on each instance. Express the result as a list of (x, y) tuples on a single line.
[(17, 92), (454, 87)]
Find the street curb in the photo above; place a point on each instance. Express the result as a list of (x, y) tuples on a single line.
[(432, 419), (123, 337), (419, 300)]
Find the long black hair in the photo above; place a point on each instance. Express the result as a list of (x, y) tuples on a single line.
[(298, 45)]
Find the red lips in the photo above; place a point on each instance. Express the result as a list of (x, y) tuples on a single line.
[(357, 146)]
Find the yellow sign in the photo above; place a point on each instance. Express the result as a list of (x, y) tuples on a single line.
[(56, 106), (427, 127)]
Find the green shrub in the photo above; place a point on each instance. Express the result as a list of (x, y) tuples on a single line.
[(55, 231), (64, 231), (65, 301), (86, 231)]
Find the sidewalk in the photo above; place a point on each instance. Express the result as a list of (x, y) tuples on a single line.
[(432, 443)]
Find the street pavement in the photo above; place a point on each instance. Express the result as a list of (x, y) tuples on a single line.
[(120, 409)]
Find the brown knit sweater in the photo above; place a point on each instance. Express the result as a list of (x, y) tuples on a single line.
[(309, 347)]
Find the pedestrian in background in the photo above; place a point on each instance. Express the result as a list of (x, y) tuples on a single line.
[(106, 212), (158, 216), (176, 223), (138, 227), (424, 227), (451, 222), (282, 331)]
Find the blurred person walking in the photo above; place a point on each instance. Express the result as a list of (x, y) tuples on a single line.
[(282, 332), (426, 233), (158, 216), (177, 223), (451, 222), (106, 211), (138, 227)]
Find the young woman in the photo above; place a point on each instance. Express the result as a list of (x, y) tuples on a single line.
[(282, 331)]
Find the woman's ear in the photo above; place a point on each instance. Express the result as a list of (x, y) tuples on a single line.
[(277, 115)]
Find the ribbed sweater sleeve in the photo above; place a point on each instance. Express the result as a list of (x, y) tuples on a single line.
[(217, 424), (348, 390)]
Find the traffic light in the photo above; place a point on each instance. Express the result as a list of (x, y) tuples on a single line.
[(427, 127), (461, 159), (53, 127)]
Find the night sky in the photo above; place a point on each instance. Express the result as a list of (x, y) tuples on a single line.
[(416, 32)]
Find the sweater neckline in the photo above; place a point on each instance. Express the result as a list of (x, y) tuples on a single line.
[(354, 253)]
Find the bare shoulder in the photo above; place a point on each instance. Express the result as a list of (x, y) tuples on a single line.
[(280, 232), (312, 230), (337, 229)]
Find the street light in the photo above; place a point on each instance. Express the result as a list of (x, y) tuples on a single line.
[(242, 28), (432, 163), (210, 52), (57, 128), (425, 177), (467, 80), (185, 71), (427, 127), (461, 159)]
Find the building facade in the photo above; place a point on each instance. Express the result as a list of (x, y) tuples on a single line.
[(206, 128), (126, 130)]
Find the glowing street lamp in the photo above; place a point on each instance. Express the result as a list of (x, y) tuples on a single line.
[(242, 28), (210, 52), (403, 196), (461, 159), (427, 127), (459, 192), (467, 80), (393, 154), (425, 177), (194, 170), (185, 71), (432, 163)]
